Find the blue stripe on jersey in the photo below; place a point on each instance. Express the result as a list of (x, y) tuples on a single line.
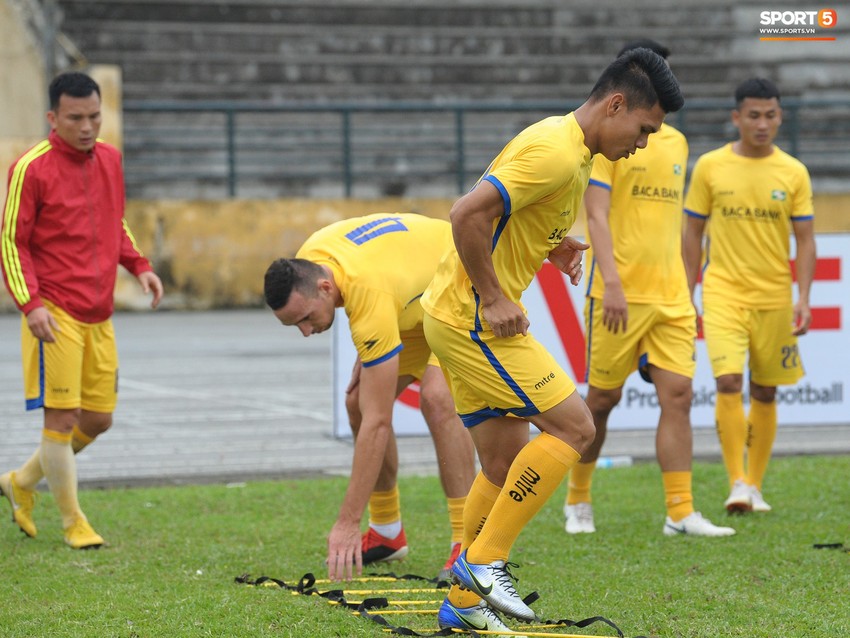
[(596, 182), (802, 218), (389, 355), (693, 213), (503, 374), (501, 188), (38, 402), (360, 235), (414, 299), (499, 228)]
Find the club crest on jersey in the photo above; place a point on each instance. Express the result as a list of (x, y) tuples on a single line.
[(677, 169), (778, 195)]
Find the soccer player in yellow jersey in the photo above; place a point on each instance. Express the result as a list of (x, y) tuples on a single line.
[(750, 195), (516, 216), (376, 268), (638, 314)]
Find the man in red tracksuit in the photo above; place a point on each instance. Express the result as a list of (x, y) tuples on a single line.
[(63, 236)]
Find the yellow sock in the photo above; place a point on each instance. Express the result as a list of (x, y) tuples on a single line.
[(533, 477), (79, 439), (456, 518), (60, 468), (677, 494), (732, 433), (482, 495), (578, 486), (31, 473), (385, 507), (762, 435)]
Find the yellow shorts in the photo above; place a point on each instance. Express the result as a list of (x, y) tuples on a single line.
[(490, 376), (731, 332), (415, 355), (661, 335), (78, 370)]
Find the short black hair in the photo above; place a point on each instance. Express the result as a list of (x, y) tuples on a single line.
[(644, 78), (285, 275), (759, 88), (72, 83), (645, 43)]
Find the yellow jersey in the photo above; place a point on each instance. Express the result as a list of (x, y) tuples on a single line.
[(749, 204), (645, 218), (381, 264), (541, 174)]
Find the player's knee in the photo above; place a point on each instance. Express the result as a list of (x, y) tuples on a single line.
[(730, 383), (601, 402), (585, 434), (95, 423), (764, 394), (436, 403), (352, 408), (62, 421)]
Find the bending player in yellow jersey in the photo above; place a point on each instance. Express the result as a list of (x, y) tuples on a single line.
[(501, 377), (376, 267), (638, 314), (751, 195)]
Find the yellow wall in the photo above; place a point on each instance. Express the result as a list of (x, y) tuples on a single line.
[(22, 90), (214, 253)]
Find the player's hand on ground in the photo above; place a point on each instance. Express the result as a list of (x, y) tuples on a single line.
[(42, 324), (344, 551), (506, 319), (151, 283), (615, 309), (802, 318), (566, 257)]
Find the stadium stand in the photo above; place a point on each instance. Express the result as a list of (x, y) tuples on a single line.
[(299, 52)]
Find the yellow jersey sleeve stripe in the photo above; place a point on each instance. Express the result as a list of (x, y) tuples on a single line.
[(10, 256), (131, 237), (600, 184)]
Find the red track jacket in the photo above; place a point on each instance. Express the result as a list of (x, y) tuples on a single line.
[(63, 232)]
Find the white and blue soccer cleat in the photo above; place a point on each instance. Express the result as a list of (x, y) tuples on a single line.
[(492, 581)]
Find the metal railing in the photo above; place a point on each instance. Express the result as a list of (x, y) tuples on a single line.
[(214, 150)]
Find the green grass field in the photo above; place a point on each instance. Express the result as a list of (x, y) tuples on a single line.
[(174, 552)]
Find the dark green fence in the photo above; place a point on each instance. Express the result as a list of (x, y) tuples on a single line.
[(217, 150)]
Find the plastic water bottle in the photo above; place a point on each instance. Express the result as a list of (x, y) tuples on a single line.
[(614, 461)]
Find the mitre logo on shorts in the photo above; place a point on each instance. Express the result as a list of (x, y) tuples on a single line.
[(525, 485), (544, 381)]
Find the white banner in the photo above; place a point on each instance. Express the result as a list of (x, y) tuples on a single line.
[(555, 309)]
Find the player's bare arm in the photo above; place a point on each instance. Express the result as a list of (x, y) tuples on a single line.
[(615, 309), (472, 219), (692, 248), (377, 395), (805, 260)]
